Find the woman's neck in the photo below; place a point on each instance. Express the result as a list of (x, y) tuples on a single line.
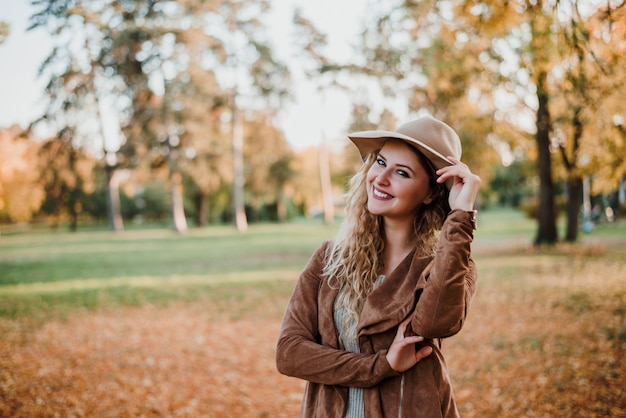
[(397, 245)]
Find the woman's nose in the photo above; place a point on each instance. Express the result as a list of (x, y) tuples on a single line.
[(383, 177)]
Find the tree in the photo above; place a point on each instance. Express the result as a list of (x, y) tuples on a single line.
[(208, 165), (606, 125), (588, 67), (268, 167), (21, 193), (556, 54), (154, 56), (536, 59), (113, 179), (222, 56), (239, 205), (253, 75), (66, 176), (81, 75)]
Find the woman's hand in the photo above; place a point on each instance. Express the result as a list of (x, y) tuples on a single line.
[(465, 186), (401, 354)]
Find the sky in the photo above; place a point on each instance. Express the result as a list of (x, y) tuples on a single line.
[(304, 120)]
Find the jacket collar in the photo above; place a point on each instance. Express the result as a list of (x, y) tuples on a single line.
[(396, 297)]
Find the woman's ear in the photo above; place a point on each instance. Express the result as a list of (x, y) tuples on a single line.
[(430, 197), (437, 191)]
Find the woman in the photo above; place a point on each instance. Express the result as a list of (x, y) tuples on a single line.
[(362, 319)]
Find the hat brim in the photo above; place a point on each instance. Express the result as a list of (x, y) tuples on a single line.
[(371, 141)]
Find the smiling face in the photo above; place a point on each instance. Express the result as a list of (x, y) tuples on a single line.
[(398, 184)]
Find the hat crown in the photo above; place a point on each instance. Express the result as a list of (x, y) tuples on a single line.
[(435, 134)]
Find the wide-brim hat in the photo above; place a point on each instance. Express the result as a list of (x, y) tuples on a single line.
[(432, 137)]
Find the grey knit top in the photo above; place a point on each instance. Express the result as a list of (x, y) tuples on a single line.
[(356, 408)]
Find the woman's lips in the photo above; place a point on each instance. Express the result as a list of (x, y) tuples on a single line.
[(380, 194)]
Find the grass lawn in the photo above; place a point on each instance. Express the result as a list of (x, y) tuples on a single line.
[(546, 335), (50, 273)]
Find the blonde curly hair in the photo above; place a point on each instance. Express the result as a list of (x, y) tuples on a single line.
[(354, 260)]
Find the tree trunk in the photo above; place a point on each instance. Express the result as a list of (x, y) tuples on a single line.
[(574, 200), (241, 222), (202, 209), (73, 210), (114, 207), (176, 178), (73, 195), (574, 182), (327, 190), (178, 208), (546, 233), (281, 206)]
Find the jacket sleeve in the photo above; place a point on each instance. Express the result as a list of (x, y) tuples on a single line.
[(301, 351), (450, 281)]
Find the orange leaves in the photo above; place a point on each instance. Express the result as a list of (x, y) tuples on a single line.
[(146, 362), (545, 337)]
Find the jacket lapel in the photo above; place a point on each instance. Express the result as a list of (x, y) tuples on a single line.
[(326, 303), (396, 297)]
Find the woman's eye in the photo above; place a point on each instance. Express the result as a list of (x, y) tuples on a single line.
[(403, 173), (379, 161)]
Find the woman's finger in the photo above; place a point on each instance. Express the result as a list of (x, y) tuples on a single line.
[(423, 352), (411, 340)]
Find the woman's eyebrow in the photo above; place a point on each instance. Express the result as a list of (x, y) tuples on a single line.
[(382, 157), (407, 167)]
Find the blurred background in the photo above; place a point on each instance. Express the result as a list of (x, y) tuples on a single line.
[(195, 113)]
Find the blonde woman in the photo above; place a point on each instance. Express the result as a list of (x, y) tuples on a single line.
[(362, 320)]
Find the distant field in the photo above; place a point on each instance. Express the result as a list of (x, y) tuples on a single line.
[(150, 323)]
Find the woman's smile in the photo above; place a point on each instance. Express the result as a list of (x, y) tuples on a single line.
[(377, 193)]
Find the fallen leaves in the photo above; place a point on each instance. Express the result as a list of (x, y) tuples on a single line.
[(548, 341), (147, 362)]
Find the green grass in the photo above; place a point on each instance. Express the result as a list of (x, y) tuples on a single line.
[(55, 257), (43, 273)]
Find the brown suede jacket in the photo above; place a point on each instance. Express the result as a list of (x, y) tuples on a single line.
[(436, 291)]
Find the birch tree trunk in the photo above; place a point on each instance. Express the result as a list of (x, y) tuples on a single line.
[(114, 207), (241, 222), (327, 188), (178, 208)]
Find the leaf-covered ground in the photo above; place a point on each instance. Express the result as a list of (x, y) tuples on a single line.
[(166, 362), (546, 337)]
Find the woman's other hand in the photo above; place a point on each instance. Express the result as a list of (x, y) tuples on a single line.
[(401, 354), (465, 186)]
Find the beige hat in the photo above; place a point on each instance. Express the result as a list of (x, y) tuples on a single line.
[(430, 136)]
